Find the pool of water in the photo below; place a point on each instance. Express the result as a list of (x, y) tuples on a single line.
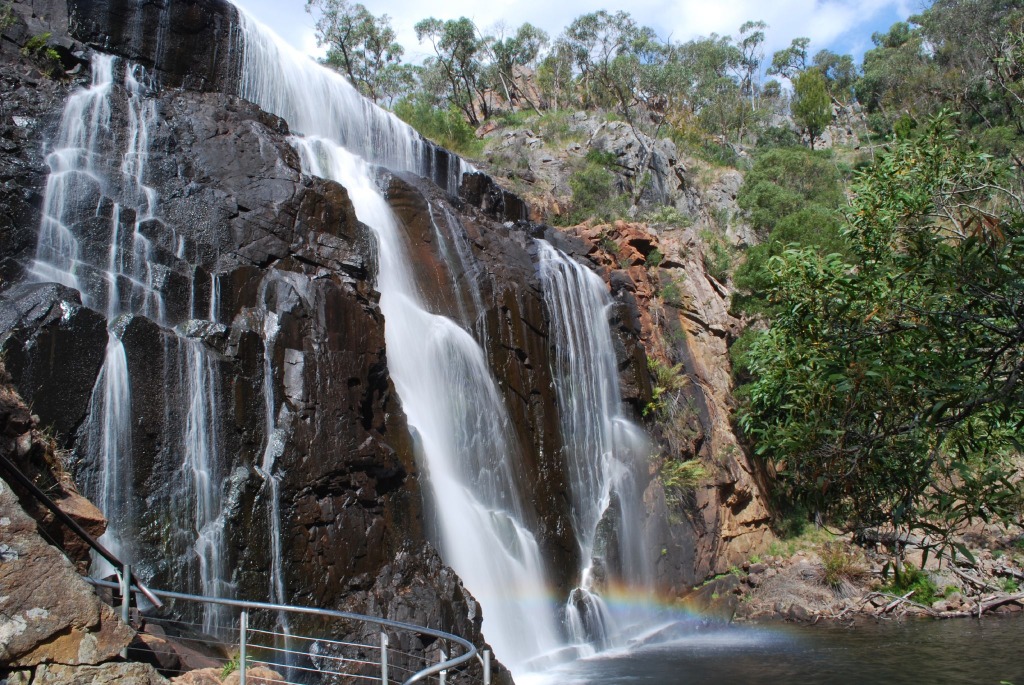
[(921, 652)]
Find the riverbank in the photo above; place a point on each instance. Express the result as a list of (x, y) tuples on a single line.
[(819, 576)]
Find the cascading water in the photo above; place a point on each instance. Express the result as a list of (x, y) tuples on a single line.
[(74, 186), (602, 449), (273, 450), (320, 102), (200, 448), (85, 186), (110, 437), (464, 438), (458, 257)]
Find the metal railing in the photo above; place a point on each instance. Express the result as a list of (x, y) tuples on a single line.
[(296, 659), (259, 644)]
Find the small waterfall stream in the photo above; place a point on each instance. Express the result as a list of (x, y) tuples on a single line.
[(602, 448), (85, 186)]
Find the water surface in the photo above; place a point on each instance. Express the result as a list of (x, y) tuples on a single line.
[(920, 652)]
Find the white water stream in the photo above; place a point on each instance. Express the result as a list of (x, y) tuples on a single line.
[(462, 430), (83, 185), (603, 450)]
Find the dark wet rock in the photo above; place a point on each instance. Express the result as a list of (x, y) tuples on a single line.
[(53, 348), (410, 589), (194, 47)]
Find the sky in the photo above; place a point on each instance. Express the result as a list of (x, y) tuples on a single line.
[(844, 26)]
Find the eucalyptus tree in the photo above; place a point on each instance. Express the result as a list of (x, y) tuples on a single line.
[(790, 61), (459, 51), (889, 387), (362, 47), (812, 108), (751, 47), (899, 78), (511, 53), (840, 74), (609, 50), (556, 77)]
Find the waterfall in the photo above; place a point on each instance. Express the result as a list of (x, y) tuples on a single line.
[(455, 250), (200, 449), (464, 438), (319, 102), (110, 437), (74, 185), (602, 449), (98, 176)]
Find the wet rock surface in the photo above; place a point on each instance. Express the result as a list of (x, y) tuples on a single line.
[(240, 239), (195, 48)]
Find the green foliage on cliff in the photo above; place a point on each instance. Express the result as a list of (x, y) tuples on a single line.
[(792, 196), (446, 127), (6, 16), (595, 191), (888, 388)]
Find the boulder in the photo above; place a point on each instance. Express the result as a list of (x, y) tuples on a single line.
[(50, 615), (200, 676), (105, 674)]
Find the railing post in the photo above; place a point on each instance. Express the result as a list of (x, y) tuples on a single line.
[(487, 667), (443, 674), (243, 628), (383, 657), (126, 600)]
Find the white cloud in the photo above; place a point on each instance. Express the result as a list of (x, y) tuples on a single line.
[(841, 24)]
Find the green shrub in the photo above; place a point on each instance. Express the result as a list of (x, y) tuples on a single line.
[(784, 180), (839, 564), (6, 16), (681, 477), (46, 57), (717, 259), (446, 127), (558, 127), (699, 144), (778, 136), (911, 578), (669, 215), (672, 294), (595, 191)]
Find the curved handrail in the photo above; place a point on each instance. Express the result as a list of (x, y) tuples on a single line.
[(471, 650)]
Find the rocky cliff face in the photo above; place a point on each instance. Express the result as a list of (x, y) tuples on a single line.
[(244, 302), (240, 238)]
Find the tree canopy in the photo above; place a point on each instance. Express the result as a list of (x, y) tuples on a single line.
[(888, 388)]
